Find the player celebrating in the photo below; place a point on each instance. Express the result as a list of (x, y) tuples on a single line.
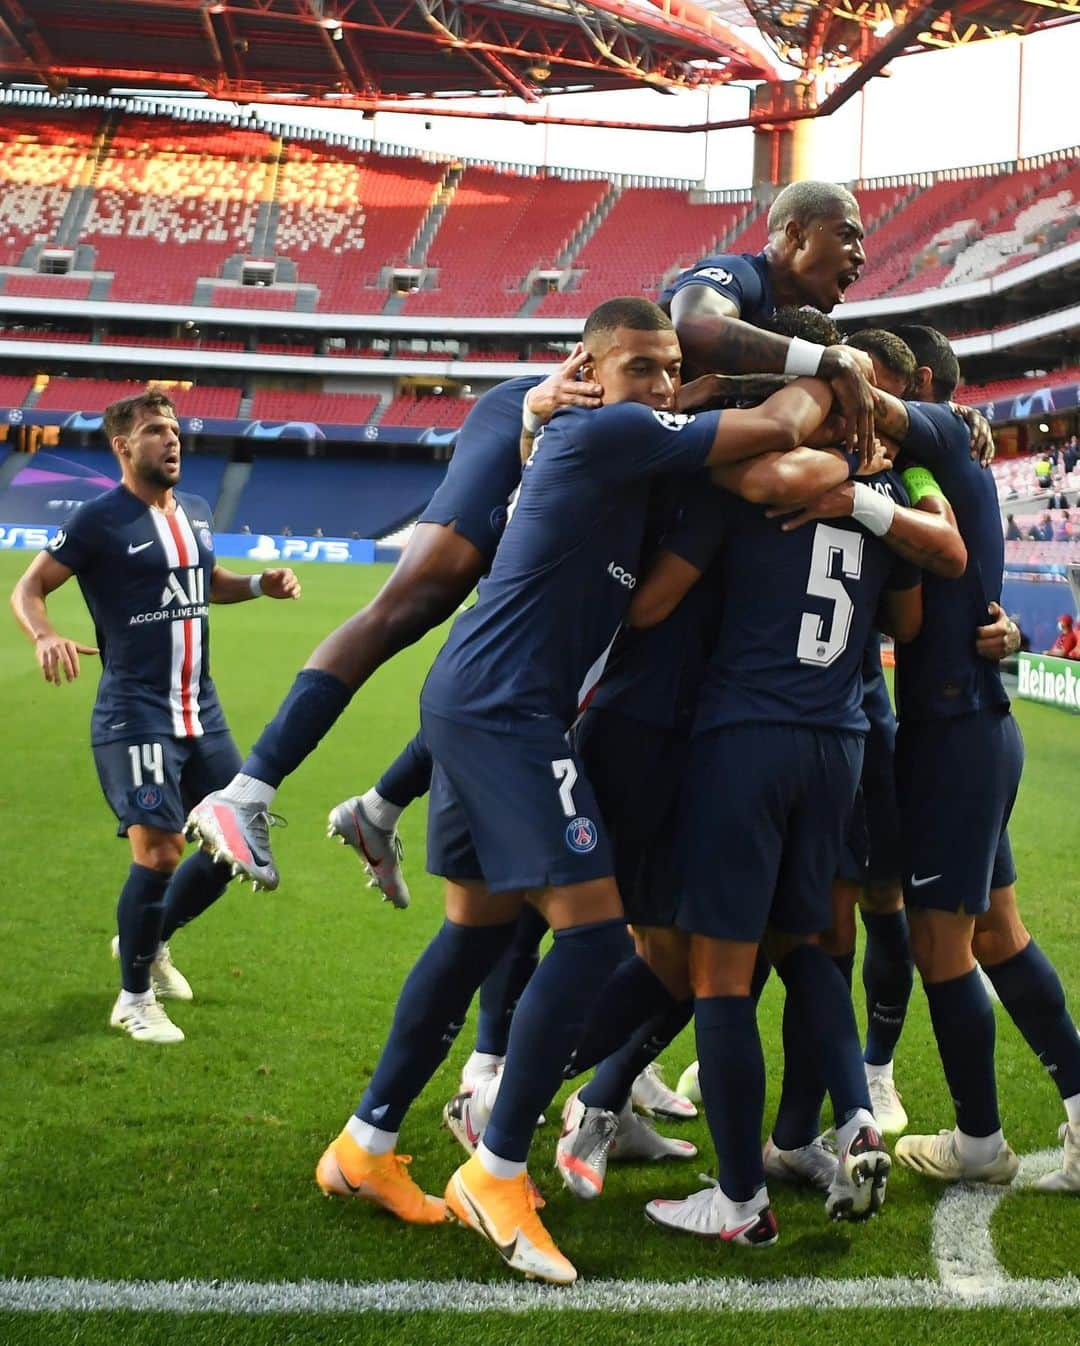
[(814, 252), (450, 548), (959, 757), (144, 557), (511, 809)]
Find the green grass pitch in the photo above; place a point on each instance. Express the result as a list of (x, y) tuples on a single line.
[(123, 1162)]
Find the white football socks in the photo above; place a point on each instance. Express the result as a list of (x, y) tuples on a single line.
[(247, 790), (381, 811), (369, 1137)]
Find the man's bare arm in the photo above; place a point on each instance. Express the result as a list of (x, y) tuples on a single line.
[(57, 656), (669, 580), (783, 422)]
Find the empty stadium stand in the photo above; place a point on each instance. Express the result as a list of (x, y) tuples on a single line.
[(338, 496), (499, 227), (279, 404), (647, 232), (13, 389), (971, 393), (171, 202), (444, 413)]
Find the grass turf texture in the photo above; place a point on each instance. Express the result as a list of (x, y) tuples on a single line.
[(125, 1161)]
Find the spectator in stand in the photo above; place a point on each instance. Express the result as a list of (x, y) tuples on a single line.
[(1043, 530), (318, 533), (1063, 527), (1070, 454), (1012, 531), (1059, 501), (1065, 645), (1044, 472)]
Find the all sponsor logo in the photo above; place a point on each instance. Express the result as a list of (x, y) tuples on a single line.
[(622, 576), (1050, 680), (581, 835)]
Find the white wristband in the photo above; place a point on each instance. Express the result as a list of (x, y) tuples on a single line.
[(530, 422), (803, 357), (873, 509), (256, 586)]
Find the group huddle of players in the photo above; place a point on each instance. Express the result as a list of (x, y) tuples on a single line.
[(664, 710)]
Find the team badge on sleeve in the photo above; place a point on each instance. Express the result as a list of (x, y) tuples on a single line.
[(58, 539), (673, 420), (581, 835), (207, 539), (716, 273)]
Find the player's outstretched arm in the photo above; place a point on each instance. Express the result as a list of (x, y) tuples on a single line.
[(714, 338), (783, 422), (927, 536), (58, 657), (228, 587), (900, 613)]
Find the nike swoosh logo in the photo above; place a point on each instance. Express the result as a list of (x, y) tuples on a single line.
[(921, 883), (132, 548), (728, 1234), (506, 1250)]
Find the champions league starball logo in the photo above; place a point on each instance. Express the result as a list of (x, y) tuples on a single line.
[(581, 835)]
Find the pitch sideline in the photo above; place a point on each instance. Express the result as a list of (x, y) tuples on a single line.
[(970, 1276)]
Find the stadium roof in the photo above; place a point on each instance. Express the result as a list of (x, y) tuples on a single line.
[(420, 55), (263, 50)]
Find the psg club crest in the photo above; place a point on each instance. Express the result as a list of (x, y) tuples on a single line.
[(148, 797), (581, 835)]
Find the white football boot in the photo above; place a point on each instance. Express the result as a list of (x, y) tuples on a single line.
[(688, 1085), (166, 979), (885, 1102), (812, 1165), (1067, 1177), (710, 1215), (236, 834), (379, 849), (637, 1139), (939, 1157), (652, 1096), (145, 1021), (581, 1153), (857, 1190)]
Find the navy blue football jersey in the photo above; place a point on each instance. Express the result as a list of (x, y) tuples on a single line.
[(145, 576), (939, 673), (654, 674), (796, 612), (742, 277), (545, 617), (485, 470)]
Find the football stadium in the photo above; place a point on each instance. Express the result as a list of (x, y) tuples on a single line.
[(673, 947)]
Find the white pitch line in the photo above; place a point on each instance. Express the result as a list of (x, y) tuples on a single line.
[(55, 1294), (970, 1277)]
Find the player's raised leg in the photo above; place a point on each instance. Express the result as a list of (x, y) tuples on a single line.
[(368, 822)]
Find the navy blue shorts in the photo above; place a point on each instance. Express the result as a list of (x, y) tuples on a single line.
[(514, 808), (636, 770), (871, 851), (956, 780), (474, 504), (764, 812), (155, 782)]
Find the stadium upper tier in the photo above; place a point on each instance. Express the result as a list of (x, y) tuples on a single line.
[(144, 209)]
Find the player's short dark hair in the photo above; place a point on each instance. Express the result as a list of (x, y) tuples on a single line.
[(640, 315), (889, 350), (807, 201), (932, 351), (808, 324), (121, 416)]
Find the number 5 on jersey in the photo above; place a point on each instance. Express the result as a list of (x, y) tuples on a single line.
[(830, 543)]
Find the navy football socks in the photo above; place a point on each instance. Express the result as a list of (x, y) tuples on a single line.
[(731, 1074), (614, 1079), (888, 974), (1031, 991), (138, 919), (429, 1015), (408, 776), (963, 1020), (547, 1023), (502, 987), (196, 885), (820, 1002), (312, 707), (631, 998)]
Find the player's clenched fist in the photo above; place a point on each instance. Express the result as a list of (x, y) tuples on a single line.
[(280, 583), (59, 657)]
